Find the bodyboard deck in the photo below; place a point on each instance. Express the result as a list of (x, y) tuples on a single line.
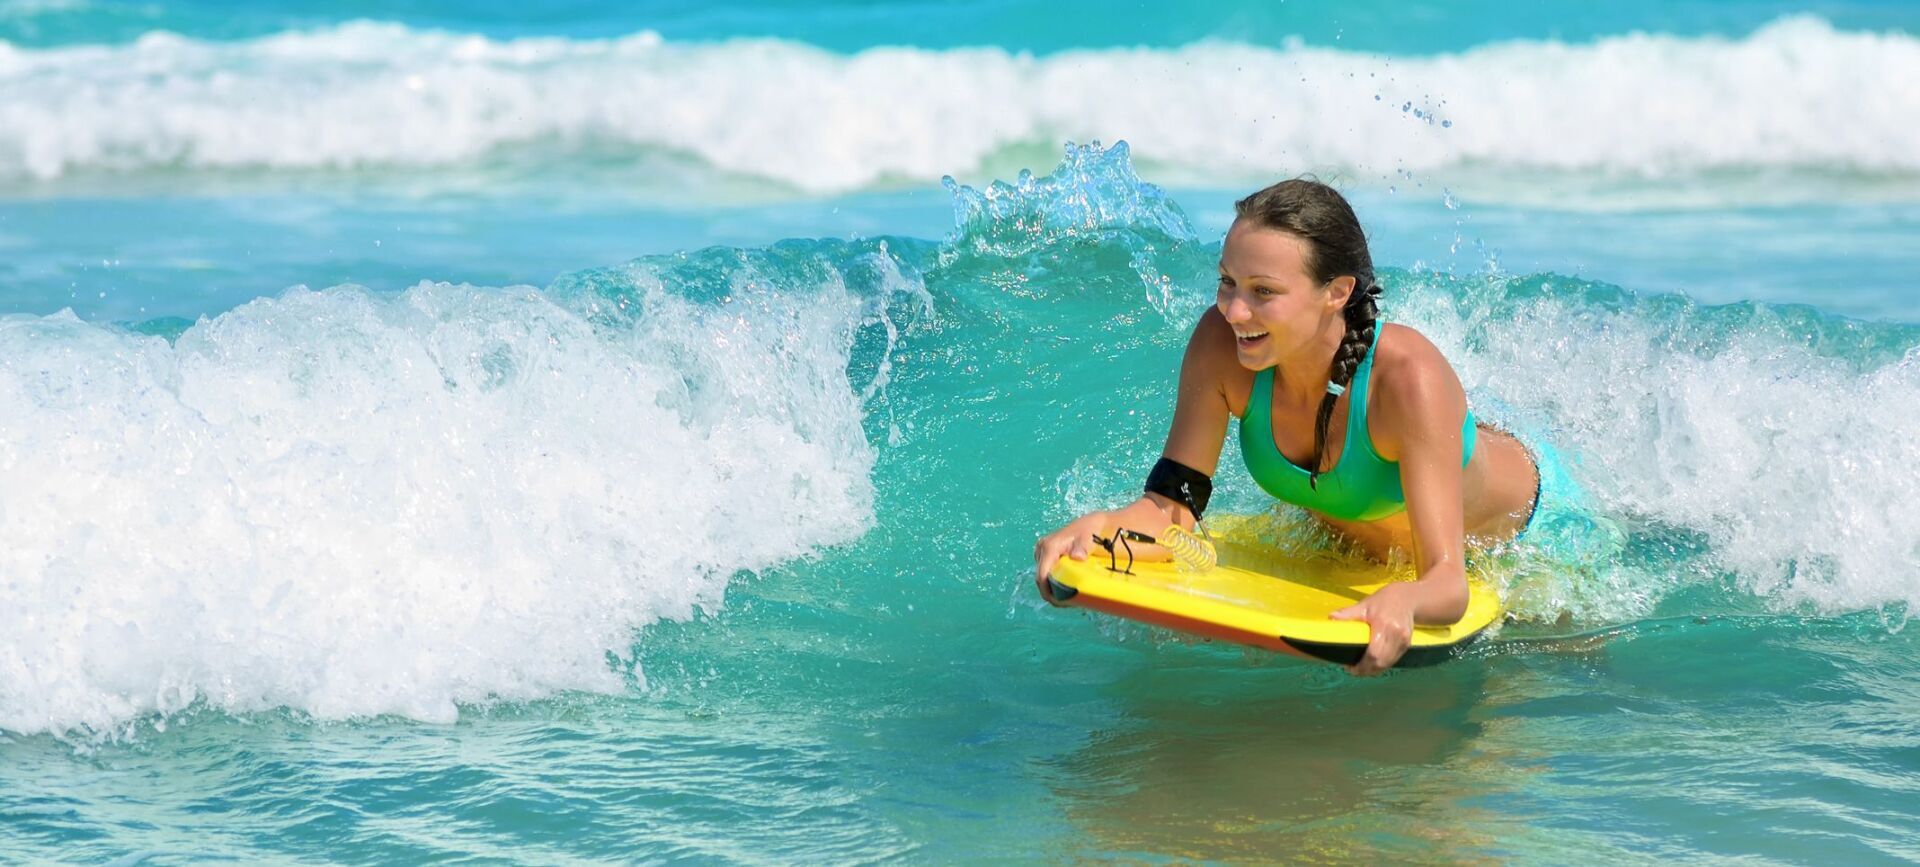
[(1268, 599)]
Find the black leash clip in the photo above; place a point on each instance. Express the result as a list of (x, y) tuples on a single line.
[(1123, 537)]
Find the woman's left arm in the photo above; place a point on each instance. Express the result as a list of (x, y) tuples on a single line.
[(1423, 409)]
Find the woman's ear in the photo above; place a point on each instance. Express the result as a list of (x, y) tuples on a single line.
[(1339, 289)]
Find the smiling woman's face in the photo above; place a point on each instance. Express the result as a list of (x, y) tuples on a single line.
[(1267, 294)]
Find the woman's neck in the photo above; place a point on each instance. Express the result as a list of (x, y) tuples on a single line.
[(1302, 378)]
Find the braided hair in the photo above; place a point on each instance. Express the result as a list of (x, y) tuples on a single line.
[(1336, 247)]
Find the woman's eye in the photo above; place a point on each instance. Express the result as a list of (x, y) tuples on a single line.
[(1265, 292)]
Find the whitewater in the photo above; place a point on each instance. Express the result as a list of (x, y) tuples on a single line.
[(366, 94)]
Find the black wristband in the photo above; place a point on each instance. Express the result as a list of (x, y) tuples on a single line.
[(1182, 484)]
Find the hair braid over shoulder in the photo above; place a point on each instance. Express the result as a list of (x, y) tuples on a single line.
[(1361, 314)]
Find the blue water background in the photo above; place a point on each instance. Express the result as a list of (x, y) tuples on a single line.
[(958, 371)]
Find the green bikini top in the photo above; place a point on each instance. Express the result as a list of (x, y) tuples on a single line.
[(1362, 487)]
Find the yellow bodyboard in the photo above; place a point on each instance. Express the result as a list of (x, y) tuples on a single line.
[(1261, 597)]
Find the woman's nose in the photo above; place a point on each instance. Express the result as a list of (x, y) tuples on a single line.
[(1235, 310)]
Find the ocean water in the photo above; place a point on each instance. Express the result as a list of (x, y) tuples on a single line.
[(454, 431)]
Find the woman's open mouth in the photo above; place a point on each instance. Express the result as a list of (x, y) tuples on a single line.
[(1249, 341)]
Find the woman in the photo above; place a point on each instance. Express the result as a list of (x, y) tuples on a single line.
[(1363, 423)]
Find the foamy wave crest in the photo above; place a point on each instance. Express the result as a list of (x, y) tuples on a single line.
[(1797, 93), (349, 504), (1767, 443)]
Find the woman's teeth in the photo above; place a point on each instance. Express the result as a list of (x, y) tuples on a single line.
[(1250, 339)]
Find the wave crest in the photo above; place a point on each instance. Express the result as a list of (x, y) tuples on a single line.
[(350, 504), (1795, 94)]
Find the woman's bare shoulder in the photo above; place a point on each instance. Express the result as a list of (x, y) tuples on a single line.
[(1411, 377), (1402, 352)]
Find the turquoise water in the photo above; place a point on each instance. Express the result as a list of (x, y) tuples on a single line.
[(642, 478), (851, 25)]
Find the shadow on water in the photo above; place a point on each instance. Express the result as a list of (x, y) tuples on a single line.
[(1288, 759), (1689, 737)]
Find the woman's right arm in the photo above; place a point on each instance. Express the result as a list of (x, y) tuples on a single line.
[(1200, 415)]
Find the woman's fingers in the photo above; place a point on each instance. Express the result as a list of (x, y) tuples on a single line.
[(1383, 650), (1385, 645), (1370, 662), (1069, 541), (1044, 556), (1375, 660), (1049, 550)]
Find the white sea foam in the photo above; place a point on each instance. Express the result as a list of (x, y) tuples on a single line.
[(349, 504), (1797, 93), (1794, 468)]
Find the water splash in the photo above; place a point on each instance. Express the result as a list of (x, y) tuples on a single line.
[(1093, 200)]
